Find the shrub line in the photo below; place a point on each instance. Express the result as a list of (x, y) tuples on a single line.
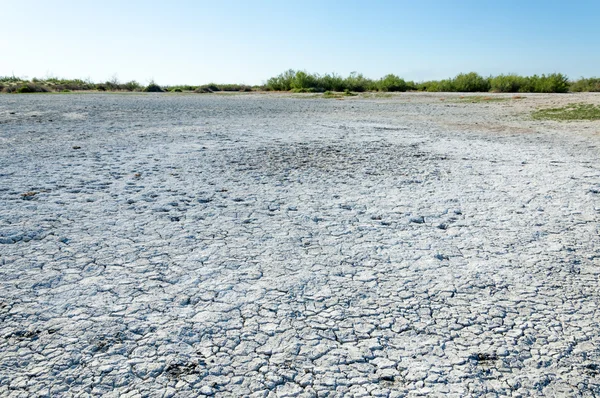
[(304, 82)]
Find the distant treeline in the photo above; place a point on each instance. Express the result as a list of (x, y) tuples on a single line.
[(300, 81), (303, 82)]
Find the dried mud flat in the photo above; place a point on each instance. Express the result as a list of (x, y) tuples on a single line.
[(272, 245)]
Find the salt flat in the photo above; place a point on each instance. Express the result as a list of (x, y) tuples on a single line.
[(276, 245)]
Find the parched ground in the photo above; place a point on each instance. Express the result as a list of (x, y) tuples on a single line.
[(272, 245)]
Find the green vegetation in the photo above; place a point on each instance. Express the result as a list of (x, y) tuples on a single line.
[(569, 112), (213, 88), (472, 82), (301, 81), (153, 88), (334, 94), (393, 83), (586, 85), (508, 83), (27, 88), (12, 84), (304, 82)]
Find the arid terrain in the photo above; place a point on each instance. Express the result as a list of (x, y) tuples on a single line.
[(279, 245)]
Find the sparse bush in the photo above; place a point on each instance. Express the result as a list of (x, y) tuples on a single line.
[(202, 90), (184, 87), (10, 79), (233, 87), (212, 87), (131, 86)]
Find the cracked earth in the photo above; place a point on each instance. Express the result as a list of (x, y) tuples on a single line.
[(286, 246)]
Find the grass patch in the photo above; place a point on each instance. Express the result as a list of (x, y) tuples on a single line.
[(569, 112), (333, 94), (486, 98), (378, 95)]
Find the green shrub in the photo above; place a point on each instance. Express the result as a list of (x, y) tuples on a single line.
[(591, 84), (131, 86), (25, 89), (10, 79), (31, 88), (283, 82), (445, 85), (508, 83), (357, 82), (153, 88), (553, 83), (391, 83), (304, 81), (331, 82), (233, 87), (422, 86), (304, 90), (470, 83)]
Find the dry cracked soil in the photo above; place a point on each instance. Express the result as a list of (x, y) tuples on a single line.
[(156, 245)]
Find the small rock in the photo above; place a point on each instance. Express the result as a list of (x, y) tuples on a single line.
[(502, 352)]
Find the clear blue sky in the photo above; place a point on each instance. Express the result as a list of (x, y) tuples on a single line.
[(197, 41)]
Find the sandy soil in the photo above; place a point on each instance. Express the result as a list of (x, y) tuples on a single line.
[(281, 245)]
